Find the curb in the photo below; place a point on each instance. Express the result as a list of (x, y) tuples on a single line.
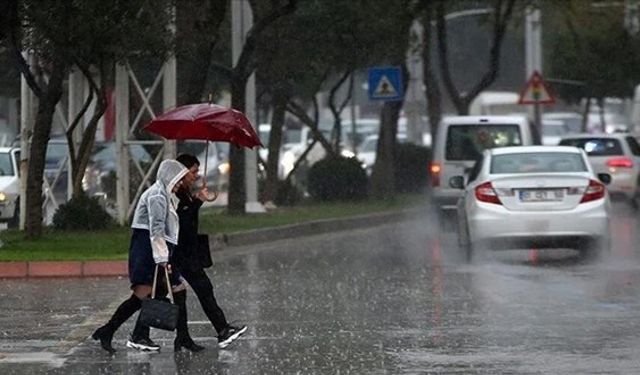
[(218, 242), (222, 241), (63, 269)]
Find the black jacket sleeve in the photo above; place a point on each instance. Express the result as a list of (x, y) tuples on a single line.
[(185, 254)]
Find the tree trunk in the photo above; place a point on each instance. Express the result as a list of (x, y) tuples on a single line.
[(502, 14), (241, 73), (382, 176), (84, 151), (275, 141), (80, 157), (201, 35), (51, 94)]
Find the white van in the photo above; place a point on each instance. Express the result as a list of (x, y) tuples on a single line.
[(496, 103), (460, 142), (9, 185)]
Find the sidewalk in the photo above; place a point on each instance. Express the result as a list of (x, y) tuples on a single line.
[(217, 243)]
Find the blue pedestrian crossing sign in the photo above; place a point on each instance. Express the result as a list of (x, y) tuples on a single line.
[(385, 83)]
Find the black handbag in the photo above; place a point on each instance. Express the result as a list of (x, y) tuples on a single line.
[(204, 253), (158, 313)]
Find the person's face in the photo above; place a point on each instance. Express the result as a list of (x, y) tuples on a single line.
[(179, 184), (191, 177)]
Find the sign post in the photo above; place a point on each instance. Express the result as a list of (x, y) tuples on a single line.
[(536, 93)]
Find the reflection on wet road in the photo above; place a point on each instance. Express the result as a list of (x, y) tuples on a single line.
[(398, 298)]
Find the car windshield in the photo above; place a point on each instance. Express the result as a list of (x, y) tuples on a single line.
[(467, 142), (595, 146), (6, 167), (537, 163)]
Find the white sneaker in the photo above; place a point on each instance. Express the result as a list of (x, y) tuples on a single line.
[(229, 334), (144, 344)]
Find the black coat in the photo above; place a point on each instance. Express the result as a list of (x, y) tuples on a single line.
[(185, 254)]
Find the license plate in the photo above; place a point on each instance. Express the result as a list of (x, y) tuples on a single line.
[(541, 195)]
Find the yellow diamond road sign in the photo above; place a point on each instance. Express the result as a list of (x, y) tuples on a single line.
[(536, 91)]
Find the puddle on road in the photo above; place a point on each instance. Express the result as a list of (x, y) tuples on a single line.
[(51, 359)]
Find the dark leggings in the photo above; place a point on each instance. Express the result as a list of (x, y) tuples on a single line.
[(203, 288)]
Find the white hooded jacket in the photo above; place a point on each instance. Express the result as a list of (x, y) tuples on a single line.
[(156, 209)]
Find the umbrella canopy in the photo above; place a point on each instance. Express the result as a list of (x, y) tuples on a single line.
[(207, 122)]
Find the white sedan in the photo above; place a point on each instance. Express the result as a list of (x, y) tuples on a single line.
[(533, 196)]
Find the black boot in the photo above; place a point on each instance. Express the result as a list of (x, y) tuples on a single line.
[(183, 339), (123, 312)]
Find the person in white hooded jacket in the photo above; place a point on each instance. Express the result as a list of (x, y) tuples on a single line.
[(155, 229)]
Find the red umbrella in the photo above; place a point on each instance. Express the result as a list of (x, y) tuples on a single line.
[(205, 121)]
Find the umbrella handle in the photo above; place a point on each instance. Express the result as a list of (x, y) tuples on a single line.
[(214, 196)]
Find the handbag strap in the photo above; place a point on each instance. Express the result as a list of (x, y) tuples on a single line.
[(153, 286), (155, 279), (166, 275)]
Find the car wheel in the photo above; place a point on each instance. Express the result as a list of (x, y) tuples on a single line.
[(597, 248), (464, 241), (14, 222)]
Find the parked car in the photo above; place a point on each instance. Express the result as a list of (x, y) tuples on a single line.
[(617, 154), (552, 132), (607, 122), (56, 168), (369, 147), (572, 121), (9, 185), (101, 171), (460, 143), (217, 166), (542, 196)]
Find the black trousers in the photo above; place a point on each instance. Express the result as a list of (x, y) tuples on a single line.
[(201, 285)]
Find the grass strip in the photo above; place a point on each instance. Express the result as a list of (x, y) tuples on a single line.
[(113, 244)]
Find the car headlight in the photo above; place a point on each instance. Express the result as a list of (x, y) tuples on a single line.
[(347, 153), (224, 168), (3, 197)]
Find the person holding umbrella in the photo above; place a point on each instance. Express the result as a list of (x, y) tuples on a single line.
[(154, 235), (186, 260)]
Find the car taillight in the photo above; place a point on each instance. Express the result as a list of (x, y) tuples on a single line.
[(435, 169), (594, 191), (621, 162), (486, 193)]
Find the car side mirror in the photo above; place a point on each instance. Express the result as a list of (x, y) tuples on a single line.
[(457, 182), (605, 178)]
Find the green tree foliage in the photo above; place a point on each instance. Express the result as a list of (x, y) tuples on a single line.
[(589, 43), (410, 167), (90, 35), (337, 178), (82, 213), (202, 36)]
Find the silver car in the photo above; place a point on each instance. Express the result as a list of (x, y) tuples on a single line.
[(533, 196), (617, 154)]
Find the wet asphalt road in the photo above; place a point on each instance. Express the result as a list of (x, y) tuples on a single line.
[(398, 298)]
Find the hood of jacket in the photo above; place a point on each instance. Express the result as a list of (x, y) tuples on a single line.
[(169, 173)]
